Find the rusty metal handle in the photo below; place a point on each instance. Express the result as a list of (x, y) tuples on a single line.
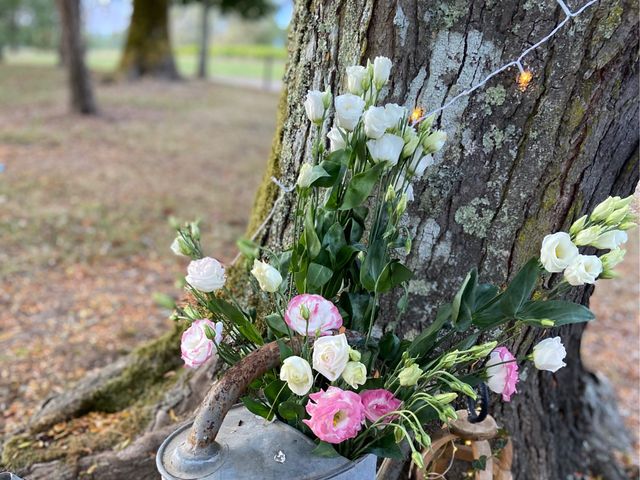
[(226, 392)]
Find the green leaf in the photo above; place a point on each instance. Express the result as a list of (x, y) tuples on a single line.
[(312, 241), (331, 166), (560, 311), (373, 265), (424, 342), (394, 274), (285, 350), (358, 306), (520, 288), (291, 411), (317, 172), (463, 302), (386, 447), (276, 323), (325, 449), (248, 248), (334, 240), (276, 391), (318, 275), (257, 408), (389, 345), (245, 327), (484, 294), (360, 187)]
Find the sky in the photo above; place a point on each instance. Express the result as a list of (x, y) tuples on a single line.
[(107, 17)]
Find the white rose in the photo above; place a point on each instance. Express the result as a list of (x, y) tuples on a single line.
[(583, 269), (356, 78), (330, 355), (395, 113), (610, 240), (268, 277), (304, 177), (434, 141), (557, 252), (349, 108), (548, 354), (354, 373), (421, 166), (387, 148), (296, 371), (381, 71), (375, 122), (206, 274), (336, 139), (314, 105)]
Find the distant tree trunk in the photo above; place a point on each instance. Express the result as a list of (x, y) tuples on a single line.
[(62, 52), (147, 51), (203, 61), (82, 98)]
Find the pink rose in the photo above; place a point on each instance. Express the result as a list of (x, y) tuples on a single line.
[(502, 372), (336, 414), (196, 347), (320, 314), (379, 402)]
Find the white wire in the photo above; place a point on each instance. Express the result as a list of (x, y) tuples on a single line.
[(517, 62)]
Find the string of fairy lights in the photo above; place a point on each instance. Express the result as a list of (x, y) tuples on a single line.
[(523, 79)]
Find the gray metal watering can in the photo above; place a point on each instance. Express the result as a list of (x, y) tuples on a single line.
[(231, 443)]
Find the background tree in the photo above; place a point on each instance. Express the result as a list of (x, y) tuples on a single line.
[(517, 165), (31, 23), (147, 50), (82, 98)]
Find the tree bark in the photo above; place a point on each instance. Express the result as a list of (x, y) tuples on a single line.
[(517, 165), (203, 58), (82, 98), (147, 51)]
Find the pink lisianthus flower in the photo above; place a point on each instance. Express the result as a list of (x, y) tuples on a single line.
[(196, 347), (307, 314), (502, 373), (336, 414), (379, 402)]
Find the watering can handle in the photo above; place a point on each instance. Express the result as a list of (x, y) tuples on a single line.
[(226, 392)]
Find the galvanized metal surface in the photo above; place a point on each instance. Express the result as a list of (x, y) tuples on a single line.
[(249, 447), (9, 476)]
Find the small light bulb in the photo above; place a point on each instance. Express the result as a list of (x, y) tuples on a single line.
[(524, 79)]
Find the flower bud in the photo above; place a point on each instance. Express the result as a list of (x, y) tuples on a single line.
[(617, 216), (434, 141), (268, 277), (445, 398), (327, 98), (305, 176), (354, 355), (354, 373), (611, 259), (578, 225), (179, 247), (410, 375), (588, 235), (402, 205), (627, 225), (547, 322), (604, 209), (623, 202), (390, 195)]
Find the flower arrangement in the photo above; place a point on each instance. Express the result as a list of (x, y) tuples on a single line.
[(353, 390)]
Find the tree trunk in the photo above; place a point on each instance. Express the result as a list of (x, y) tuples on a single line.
[(203, 59), (518, 165), (82, 99), (147, 51)]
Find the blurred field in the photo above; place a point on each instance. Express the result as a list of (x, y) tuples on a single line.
[(224, 62), (84, 203)]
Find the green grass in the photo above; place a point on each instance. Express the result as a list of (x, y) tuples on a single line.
[(221, 65)]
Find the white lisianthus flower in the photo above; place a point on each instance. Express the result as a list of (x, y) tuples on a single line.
[(434, 141), (179, 247), (375, 122), (394, 113), (411, 141), (557, 252), (268, 277), (610, 240), (296, 371), (355, 374), (356, 79), (330, 356), (381, 71), (314, 105), (304, 177), (349, 109), (336, 140), (421, 166), (548, 354), (387, 148), (410, 375), (206, 274), (583, 269)]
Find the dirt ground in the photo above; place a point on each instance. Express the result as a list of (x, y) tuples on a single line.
[(84, 204)]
